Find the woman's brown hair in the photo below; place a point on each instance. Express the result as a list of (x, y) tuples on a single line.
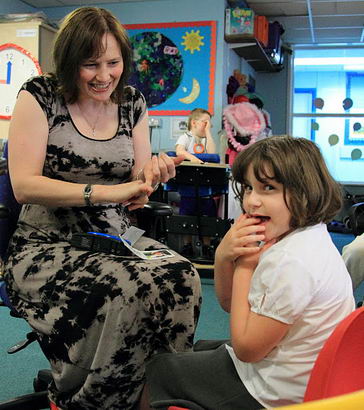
[(80, 39), (297, 163)]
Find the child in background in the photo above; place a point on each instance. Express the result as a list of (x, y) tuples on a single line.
[(281, 278), (197, 140)]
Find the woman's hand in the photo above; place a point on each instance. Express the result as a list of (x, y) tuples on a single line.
[(241, 240), (135, 194), (160, 168)]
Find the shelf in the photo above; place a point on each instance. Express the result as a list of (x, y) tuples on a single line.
[(254, 54)]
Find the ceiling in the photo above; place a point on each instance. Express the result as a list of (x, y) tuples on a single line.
[(316, 21), (304, 21)]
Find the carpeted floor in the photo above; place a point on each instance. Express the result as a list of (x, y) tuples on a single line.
[(18, 371)]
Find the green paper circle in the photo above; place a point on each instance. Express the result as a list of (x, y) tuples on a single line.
[(318, 103), (333, 139), (356, 154)]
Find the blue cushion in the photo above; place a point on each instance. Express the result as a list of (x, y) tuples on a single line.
[(215, 158)]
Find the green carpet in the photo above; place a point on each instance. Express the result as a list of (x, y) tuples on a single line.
[(19, 369)]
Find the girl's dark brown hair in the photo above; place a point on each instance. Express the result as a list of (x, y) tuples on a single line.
[(80, 39), (314, 196)]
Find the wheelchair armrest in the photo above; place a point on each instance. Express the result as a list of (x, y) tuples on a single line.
[(356, 218), (154, 209), (149, 218)]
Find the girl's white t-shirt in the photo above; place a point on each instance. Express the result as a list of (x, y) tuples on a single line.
[(301, 280)]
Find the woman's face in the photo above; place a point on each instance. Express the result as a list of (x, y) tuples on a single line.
[(99, 77)]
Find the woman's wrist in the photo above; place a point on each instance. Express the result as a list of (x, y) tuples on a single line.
[(139, 175)]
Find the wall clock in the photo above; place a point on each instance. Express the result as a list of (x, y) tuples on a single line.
[(16, 66)]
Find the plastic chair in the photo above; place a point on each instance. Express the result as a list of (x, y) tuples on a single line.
[(351, 401), (338, 370), (339, 366)]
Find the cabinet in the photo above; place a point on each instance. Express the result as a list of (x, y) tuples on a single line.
[(252, 51), (35, 37)]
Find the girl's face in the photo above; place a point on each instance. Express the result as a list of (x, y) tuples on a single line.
[(265, 200), (99, 77)]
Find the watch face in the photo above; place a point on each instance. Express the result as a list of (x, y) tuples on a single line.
[(16, 66)]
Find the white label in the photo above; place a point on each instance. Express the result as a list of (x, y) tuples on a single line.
[(26, 32)]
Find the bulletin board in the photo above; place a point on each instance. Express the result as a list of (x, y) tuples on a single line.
[(174, 65)]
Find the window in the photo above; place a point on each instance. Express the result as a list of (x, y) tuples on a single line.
[(328, 107)]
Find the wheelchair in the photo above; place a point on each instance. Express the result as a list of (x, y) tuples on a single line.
[(150, 219)]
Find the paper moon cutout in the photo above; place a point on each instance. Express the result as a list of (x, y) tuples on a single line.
[(195, 92)]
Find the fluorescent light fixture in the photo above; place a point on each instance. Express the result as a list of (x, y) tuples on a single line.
[(329, 61), (354, 67)]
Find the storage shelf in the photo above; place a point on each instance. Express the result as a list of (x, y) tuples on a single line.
[(254, 54)]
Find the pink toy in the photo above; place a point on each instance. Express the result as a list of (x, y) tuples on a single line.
[(243, 120)]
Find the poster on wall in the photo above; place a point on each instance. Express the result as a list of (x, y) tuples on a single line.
[(179, 125), (174, 65)]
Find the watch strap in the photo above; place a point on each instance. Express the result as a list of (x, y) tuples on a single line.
[(87, 191)]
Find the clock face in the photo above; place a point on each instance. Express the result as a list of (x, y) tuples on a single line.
[(16, 66)]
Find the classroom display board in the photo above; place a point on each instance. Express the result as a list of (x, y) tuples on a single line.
[(174, 65)]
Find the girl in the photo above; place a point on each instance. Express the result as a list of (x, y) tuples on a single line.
[(281, 278)]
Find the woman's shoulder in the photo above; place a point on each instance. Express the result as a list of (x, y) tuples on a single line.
[(43, 88), (45, 83), (132, 94)]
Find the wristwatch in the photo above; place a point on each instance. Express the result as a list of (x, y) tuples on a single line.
[(87, 191)]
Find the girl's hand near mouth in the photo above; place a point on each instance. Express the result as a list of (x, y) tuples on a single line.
[(242, 239)]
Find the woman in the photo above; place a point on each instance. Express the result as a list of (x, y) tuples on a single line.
[(79, 156)]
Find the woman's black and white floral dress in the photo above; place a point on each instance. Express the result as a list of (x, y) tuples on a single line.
[(99, 316)]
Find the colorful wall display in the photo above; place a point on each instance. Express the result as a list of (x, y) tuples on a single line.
[(174, 65)]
